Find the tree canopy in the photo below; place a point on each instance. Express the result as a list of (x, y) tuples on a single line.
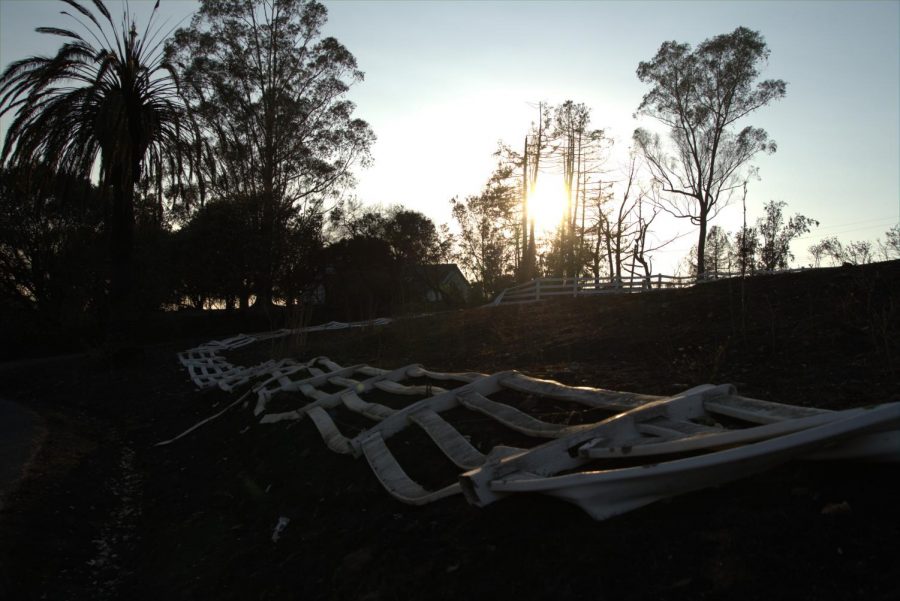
[(104, 99), (269, 93)]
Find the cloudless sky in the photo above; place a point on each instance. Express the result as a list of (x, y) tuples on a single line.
[(445, 81)]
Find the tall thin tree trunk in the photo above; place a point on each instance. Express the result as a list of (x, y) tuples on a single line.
[(581, 236), (701, 245), (525, 266), (609, 252), (525, 201)]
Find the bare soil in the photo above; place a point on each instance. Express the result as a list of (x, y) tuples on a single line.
[(104, 514)]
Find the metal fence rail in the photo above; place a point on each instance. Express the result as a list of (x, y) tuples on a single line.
[(681, 440)]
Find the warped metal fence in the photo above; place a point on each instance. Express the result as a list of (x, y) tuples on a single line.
[(703, 436)]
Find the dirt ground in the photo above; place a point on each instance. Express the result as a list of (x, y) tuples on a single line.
[(104, 514)]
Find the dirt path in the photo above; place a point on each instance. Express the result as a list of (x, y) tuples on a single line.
[(74, 526), (21, 433)]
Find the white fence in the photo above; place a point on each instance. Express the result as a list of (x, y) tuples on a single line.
[(542, 288)]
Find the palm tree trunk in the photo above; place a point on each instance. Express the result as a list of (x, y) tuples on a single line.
[(121, 238)]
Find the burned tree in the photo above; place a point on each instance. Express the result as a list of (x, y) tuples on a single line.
[(699, 94)]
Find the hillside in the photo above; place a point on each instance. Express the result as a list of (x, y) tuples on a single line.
[(104, 514)]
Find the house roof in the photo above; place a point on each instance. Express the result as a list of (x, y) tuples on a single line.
[(440, 272)]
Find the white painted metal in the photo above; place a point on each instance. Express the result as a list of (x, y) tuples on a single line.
[(513, 418), (607, 493), (563, 453), (661, 430), (395, 480), (453, 444)]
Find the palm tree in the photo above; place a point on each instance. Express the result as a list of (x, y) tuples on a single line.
[(106, 105)]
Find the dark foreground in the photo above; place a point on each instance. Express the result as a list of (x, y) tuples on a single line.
[(102, 514)]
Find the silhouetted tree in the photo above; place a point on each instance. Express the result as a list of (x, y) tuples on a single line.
[(363, 277), (720, 252), (351, 220), (214, 253), (526, 167), (642, 248), (487, 225), (746, 248), (890, 248), (570, 131), (776, 235), (104, 100), (51, 243), (412, 237), (857, 252), (269, 92), (616, 224), (700, 94), (301, 269)]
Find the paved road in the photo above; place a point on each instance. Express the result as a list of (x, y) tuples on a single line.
[(19, 431)]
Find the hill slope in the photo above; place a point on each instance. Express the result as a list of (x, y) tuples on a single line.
[(104, 514)]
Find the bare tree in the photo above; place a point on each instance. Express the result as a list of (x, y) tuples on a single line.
[(617, 225), (641, 251), (527, 165)]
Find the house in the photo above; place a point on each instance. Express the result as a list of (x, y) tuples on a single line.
[(367, 284), (438, 283)]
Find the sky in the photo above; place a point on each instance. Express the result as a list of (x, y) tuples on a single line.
[(446, 81)]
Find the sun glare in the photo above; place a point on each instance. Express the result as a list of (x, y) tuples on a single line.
[(547, 203)]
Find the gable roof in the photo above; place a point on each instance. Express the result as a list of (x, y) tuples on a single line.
[(439, 273)]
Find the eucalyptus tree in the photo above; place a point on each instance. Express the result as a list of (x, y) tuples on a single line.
[(570, 129), (531, 164), (618, 223), (105, 104), (269, 93), (699, 94), (526, 166), (578, 153)]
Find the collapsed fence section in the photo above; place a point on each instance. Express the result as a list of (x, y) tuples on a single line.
[(606, 451)]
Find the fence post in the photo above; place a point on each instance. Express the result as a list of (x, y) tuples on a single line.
[(575, 286), (537, 287), (659, 280)]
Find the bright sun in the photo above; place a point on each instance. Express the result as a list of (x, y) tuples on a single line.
[(547, 203)]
